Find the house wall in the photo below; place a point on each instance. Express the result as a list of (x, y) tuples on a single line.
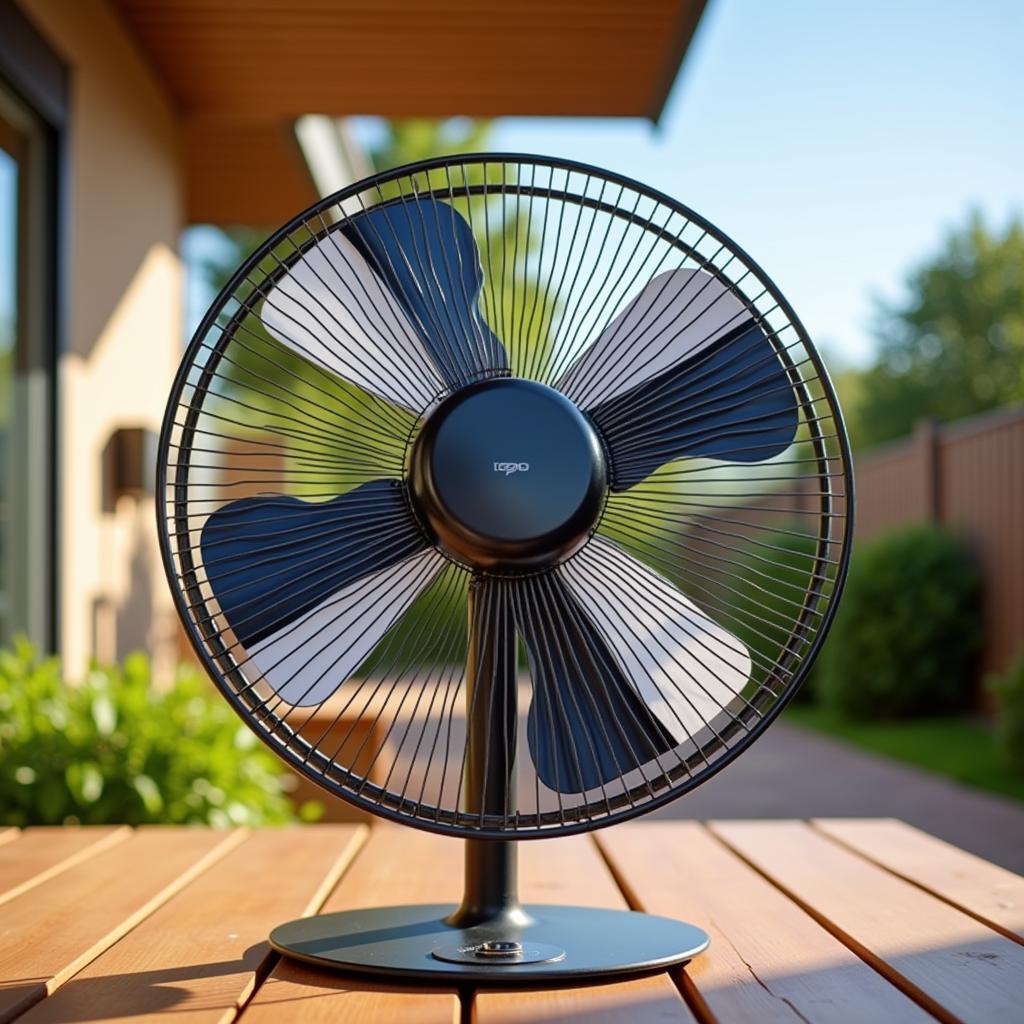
[(122, 327)]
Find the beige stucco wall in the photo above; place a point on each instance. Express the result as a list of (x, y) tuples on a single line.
[(123, 326)]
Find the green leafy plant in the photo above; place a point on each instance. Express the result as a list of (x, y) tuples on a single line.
[(1008, 690), (908, 629), (115, 748)]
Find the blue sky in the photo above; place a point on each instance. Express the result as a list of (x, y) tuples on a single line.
[(837, 143)]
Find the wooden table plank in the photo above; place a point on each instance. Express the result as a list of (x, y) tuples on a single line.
[(168, 922), (401, 865), (769, 961), (52, 931), (956, 967), (199, 956), (43, 853), (572, 871), (986, 891), (654, 998), (294, 993), (396, 865)]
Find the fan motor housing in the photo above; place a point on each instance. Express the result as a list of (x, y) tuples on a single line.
[(508, 475)]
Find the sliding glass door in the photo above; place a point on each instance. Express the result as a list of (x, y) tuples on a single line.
[(27, 373)]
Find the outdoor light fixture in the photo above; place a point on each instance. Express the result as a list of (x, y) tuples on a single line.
[(129, 465)]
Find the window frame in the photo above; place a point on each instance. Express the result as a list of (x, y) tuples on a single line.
[(35, 82)]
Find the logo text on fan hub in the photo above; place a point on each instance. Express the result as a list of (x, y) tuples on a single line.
[(508, 468)]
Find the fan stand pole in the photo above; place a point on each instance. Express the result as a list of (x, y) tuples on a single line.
[(490, 896)]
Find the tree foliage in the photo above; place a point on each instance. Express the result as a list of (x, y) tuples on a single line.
[(955, 347), (409, 140)]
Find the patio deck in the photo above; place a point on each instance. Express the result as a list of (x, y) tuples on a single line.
[(830, 920)]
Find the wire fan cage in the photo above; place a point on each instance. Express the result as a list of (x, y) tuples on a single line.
[(340, 628)]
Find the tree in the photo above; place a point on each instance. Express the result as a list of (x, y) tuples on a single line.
[(409, 140), (956, 346)]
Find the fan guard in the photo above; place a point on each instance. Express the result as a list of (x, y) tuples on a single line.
[(525, 416)]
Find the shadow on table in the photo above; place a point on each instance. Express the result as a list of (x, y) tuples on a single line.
[(979, 976)]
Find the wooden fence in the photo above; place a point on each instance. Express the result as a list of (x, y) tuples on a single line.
[(968, 476)]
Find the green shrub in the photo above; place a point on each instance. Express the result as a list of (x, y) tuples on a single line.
[(1008, 690), (116, 749), (908, 629)]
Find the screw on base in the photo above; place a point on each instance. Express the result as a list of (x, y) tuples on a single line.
[(500, 948)]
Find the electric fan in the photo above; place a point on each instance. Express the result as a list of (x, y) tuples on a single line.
[(505, 498)]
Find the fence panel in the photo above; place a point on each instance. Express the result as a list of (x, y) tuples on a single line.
[(968, 476), (980, 494)]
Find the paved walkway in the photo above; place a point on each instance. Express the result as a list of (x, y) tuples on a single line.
[(796, 773)]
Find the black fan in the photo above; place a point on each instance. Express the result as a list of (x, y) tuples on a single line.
[(505, 498)]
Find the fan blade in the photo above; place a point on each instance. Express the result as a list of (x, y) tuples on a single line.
[(733, 401), (684, 370), (587, 724), (330, 308), (425, 251), (678, 314), (685, 666), (308, 589)]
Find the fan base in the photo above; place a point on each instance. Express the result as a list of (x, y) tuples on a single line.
[(560, 943)]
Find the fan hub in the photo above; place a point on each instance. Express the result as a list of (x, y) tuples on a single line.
[(508, 475)]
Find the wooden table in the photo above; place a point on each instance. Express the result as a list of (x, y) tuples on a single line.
[(840, 920)]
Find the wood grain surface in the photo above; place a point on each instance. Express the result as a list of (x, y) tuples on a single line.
[(987, 891), (43, 853), (52, 931), (952, 964), (198, 957), (769, 961), (830, 922)]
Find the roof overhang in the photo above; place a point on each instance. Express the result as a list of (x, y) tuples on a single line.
[(242, 73)]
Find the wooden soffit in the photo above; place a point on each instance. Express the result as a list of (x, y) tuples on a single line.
[(244, 65)]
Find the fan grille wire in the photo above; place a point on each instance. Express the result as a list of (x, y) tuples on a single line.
[(761, 547)]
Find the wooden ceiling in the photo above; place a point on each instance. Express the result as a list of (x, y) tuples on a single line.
[(243, 66)]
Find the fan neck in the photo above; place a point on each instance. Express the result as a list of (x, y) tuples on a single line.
[(491, 895)]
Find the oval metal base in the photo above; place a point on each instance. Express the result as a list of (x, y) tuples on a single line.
[(401, 942)]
